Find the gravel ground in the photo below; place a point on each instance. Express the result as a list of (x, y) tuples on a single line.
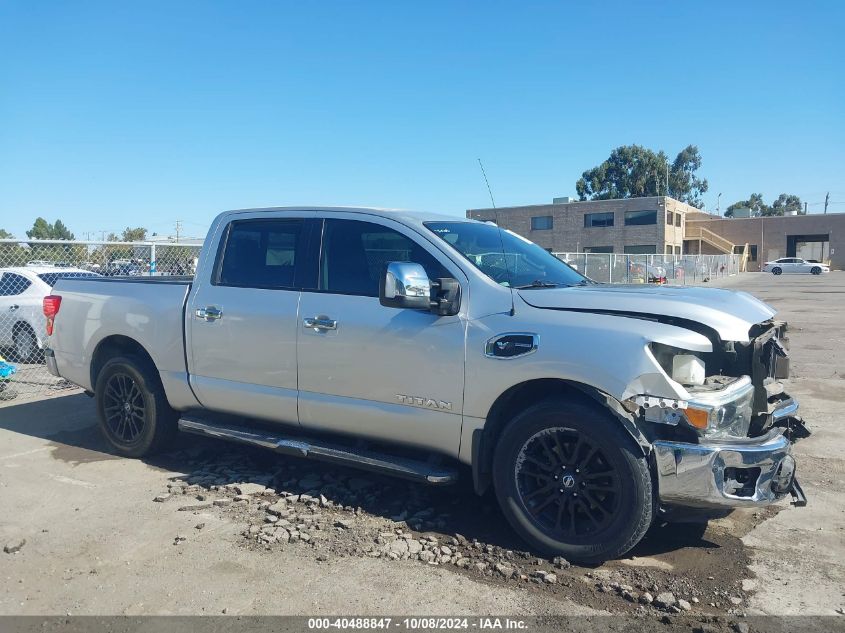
[(214, 528)]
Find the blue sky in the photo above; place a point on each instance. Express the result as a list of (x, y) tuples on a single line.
[(115, 113)]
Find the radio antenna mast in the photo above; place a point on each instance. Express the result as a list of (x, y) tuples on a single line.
[(487, 182)]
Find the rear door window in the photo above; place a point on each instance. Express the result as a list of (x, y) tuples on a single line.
[(261, 254)]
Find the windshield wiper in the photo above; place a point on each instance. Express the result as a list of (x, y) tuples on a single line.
[(538, 283)]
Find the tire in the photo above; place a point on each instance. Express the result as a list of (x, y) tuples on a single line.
[(816, 270), (612, 513), (133, 411), (26, 344), (777, 270)]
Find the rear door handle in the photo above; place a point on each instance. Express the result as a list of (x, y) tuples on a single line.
[(13, 308), (319, 323), (209, 313)]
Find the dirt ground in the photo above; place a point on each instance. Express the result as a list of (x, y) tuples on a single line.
[(211, 528)]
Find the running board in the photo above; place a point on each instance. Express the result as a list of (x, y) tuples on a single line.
[(404, 467)]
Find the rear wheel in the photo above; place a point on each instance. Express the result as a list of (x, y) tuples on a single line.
[(816, 270), (572, 482), (133, 411), (26, 344), (777, 270)]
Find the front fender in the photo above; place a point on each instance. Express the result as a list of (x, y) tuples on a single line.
[(608, 353)]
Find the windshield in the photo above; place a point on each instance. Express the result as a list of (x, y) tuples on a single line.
[(505, 257), (51, 278)]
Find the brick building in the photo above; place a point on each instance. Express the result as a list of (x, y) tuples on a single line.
[(632, 225), (663, 225)]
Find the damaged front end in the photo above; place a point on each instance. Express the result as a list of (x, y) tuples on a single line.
[(728, 443)]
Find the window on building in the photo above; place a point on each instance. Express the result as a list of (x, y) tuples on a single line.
[(677, 219), (598, 249), (668, 249), (752, 251), (638, 218), (598, 219), (641, 249), (542, 223), (670, 218), (677, 250)]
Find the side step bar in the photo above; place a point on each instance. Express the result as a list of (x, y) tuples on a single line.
[(404, 467)]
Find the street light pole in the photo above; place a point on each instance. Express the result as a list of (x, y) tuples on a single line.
[(719, 205)]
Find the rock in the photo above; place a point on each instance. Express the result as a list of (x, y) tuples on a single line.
[(199, 526), (560, 562), (646, 598), (482, 567), (749, 584), (684, 605), (446, 551), (270, 518), (179, 539), (740, 627), (14, 546), (505, 570), (194, 507), (222, 502), (344, 524), (250, 489), (398, 547), (427, 556), (735, 601), (550, 578), (414, 547), (242, 498), (665, 600), (279, 508), (162, 498)]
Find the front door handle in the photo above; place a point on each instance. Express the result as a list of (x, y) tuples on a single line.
[(209, 313), (13, 308), (319, 323)]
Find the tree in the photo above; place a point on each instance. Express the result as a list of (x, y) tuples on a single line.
[(684, 185), (134, 235), (43, 230), (634, 171), (754, 202), (5, 235), (786, 203)]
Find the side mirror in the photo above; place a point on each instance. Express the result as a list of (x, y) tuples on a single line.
[(405, 285)]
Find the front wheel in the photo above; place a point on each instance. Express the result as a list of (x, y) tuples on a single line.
[(572, 482), (777, 270), (816, 270), (132, 408)]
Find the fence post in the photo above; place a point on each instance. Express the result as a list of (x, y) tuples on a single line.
[(152, 259)]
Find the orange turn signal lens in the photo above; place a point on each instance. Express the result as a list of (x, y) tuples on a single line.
[(697, 417)]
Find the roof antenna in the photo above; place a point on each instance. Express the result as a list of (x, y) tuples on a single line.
[(501, 239), (487, 182)]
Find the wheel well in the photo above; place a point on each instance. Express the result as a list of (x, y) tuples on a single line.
[(512, 401), (112, 346)]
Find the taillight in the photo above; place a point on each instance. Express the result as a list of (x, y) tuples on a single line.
[(51, 305)]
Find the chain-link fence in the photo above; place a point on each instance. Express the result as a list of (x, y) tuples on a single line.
[(28, 271), (662, 269)]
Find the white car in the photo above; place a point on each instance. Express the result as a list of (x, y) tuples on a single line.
[(792, 265), (22, 322)]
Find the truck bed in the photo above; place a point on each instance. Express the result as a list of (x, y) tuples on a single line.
[(149, 310)]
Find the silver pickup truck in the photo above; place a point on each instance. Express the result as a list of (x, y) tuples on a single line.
[(421, 346)]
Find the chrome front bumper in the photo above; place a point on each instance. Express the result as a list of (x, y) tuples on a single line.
[(720, 473)]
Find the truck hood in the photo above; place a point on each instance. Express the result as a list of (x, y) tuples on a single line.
[(730, 313)]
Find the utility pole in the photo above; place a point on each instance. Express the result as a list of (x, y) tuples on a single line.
[(826, 200), (805, 208), (178, 229), (719, 205)]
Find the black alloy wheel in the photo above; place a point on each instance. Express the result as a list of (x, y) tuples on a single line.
[(566, 483), (124, 409)]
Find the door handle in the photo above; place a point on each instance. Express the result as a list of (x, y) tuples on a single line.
[(319, 323), (209, 313), (13, 308)]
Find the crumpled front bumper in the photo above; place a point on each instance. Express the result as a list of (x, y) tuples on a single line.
[(728, 472)]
